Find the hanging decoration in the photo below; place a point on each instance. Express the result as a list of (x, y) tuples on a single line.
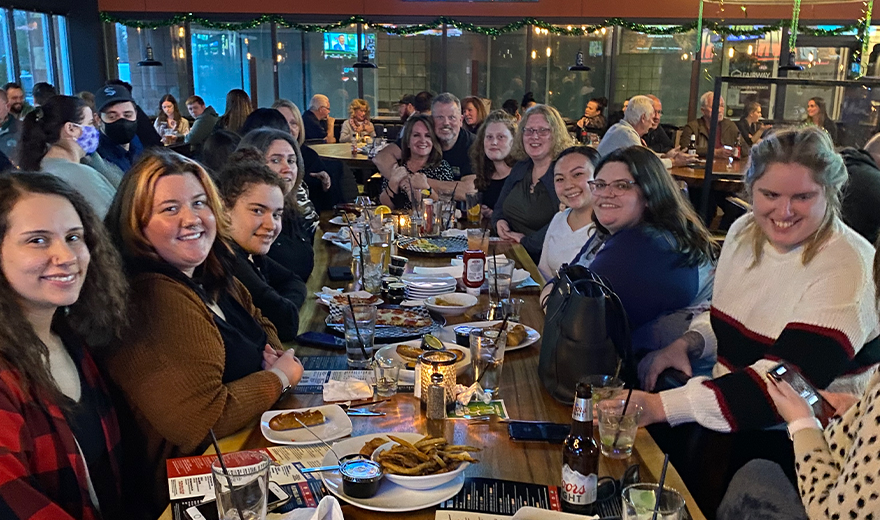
[(401, 30)]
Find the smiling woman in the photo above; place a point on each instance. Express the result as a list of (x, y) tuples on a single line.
[(198, 355)]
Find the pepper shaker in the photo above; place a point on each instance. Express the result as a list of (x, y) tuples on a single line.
[(436, 405)]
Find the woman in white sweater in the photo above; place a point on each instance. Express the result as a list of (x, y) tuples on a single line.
[(570, 229)]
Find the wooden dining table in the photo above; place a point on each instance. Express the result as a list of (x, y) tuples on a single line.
[(342, 152), (524, 396), (728, 175)]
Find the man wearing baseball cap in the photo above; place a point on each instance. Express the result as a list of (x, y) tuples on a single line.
[(118, 142), (405, 107)]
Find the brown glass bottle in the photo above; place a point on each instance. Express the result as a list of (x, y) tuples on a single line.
[(580, 457)]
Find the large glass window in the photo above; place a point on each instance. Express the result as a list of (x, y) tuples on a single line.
[(507, 67), (289, 57), (331, 57), (258, 66), (34, 59), (403, 67), (150, 83), (63, 74), (7, 69), (217, 65), (467, 67)]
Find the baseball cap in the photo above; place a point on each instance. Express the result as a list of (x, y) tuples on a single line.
[(111, 94), (407, 99)]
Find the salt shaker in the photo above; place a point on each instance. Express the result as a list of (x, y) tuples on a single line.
[(436, 405)]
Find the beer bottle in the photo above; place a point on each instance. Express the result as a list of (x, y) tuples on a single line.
[(580, 457), (692, 146)]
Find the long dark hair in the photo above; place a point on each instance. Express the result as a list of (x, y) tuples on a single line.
[(405, 153), (823, 110), (162, 117), (42, 128), (97, 316), (238, 107), (483, 167), (262, 139), (666, 209)]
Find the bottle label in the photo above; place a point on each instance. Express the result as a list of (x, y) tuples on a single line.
[(583, 410), (474, 272), (578, 489)]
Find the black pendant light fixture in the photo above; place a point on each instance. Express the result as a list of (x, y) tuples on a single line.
[(579, 63), (363, 61), (150, 61), (790, 64)]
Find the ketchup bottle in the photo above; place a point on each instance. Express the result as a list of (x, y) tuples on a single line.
[(474, 271)]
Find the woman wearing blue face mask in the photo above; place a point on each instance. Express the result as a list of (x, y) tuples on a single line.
[(55, 138)]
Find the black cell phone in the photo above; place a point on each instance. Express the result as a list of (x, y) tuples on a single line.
[(321, 339), (208, 510), (538, 431), (822, 408), (339, 273)]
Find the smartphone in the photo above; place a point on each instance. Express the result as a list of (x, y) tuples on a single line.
[(538, 431), (321, 339), (208, 510), (822, 408), (339, 273)]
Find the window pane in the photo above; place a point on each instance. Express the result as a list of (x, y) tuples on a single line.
[(466, 63), (402, 68), (331, 57), (654, 64), (151, 83), (62, 55), (7, 73), (288, 55), (258, 65), (507, 68), (33, 53), (217, 66), (570, 91)]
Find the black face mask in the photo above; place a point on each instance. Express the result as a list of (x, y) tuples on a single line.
[(121, 131)]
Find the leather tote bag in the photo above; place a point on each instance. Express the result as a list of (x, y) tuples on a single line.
[(586, 332)]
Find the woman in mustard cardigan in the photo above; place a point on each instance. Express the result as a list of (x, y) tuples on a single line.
[(198, 355)]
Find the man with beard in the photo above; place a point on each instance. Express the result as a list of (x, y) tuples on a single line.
[(405, 107), (118, 143), (18, 107), (454, 143), (10, 129)]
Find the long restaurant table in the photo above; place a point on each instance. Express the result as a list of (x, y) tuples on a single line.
[(342, 152), (521, 389), (728, 175)]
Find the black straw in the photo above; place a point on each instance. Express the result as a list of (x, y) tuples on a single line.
[(232, 492), (660, 487), (452, 206), (622, 416), (357, 330), (495, 263), (353, 234)]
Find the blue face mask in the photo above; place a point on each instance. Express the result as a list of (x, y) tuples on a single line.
[(88, 140)]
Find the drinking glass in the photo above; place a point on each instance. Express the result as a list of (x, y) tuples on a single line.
[(359, 340), (604, 387), (639, 501), (512, 308), (373, 277), (499, 273), (487, 358), (478, 239), (617, 431), (472, 203), (242, 494), (387, 374)]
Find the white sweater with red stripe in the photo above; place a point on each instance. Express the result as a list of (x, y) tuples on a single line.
[(815, 316)]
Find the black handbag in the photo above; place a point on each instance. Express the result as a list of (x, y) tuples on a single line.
[(586, 332)]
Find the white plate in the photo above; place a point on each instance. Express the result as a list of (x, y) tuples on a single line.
[(391, 497), (338, 220), (327, 299), (533, 335), (408, 375), (336, 426), (423, 281), (463, 302), (419, 482)]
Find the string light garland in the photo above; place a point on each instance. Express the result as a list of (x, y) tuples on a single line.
[(582, 30)]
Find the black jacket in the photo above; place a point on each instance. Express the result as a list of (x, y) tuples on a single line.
[(293, 248), (861, 194), (275, 290)]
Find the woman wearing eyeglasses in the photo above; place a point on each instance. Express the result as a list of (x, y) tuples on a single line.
[(651, 246), (528, 200)]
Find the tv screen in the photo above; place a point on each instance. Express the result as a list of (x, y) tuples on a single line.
[(340, 45)]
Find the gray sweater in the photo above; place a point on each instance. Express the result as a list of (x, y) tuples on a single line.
[(96, 189)]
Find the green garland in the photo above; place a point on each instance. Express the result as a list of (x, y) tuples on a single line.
[(572, 30)]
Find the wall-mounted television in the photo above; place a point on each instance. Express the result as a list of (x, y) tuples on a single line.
[(343, 45)]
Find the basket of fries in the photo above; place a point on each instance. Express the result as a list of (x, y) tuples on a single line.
[(424, 464)]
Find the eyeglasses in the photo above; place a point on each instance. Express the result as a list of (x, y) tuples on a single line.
[(542, 132), (617, 187)]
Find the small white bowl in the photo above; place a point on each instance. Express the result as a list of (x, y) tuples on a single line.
[(419, 482), (463, 302)]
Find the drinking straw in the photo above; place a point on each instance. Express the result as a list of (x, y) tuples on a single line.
[(660, 487), (232, 492), (501, 331), (452, 210), (354, 239), (495, 263), (622, 415), (357, 330)]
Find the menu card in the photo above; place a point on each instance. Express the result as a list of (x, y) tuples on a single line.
[(190, 481), (505, 497), (320, 369)]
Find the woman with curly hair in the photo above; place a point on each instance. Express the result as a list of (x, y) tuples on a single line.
[(238, 108), (358, 121), (491, 159), (528, 201), (62, 300)]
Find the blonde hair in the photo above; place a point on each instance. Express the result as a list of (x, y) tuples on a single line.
[(290, 105), (356, 104), (558, 131), (810, 147)]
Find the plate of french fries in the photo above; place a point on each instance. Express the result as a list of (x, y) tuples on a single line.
[(423, 464), (391, 497)]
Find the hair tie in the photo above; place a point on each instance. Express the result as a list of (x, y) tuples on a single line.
[(39, 112)]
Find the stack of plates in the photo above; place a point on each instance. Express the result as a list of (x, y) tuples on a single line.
[(419, 287)]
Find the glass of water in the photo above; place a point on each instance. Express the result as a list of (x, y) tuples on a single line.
[(617, 430), (360, 328), (639, 501), (387, 373), (499, 272), (242, 494), (487, 358)]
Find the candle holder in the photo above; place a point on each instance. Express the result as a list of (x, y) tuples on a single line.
[(440, 362)]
